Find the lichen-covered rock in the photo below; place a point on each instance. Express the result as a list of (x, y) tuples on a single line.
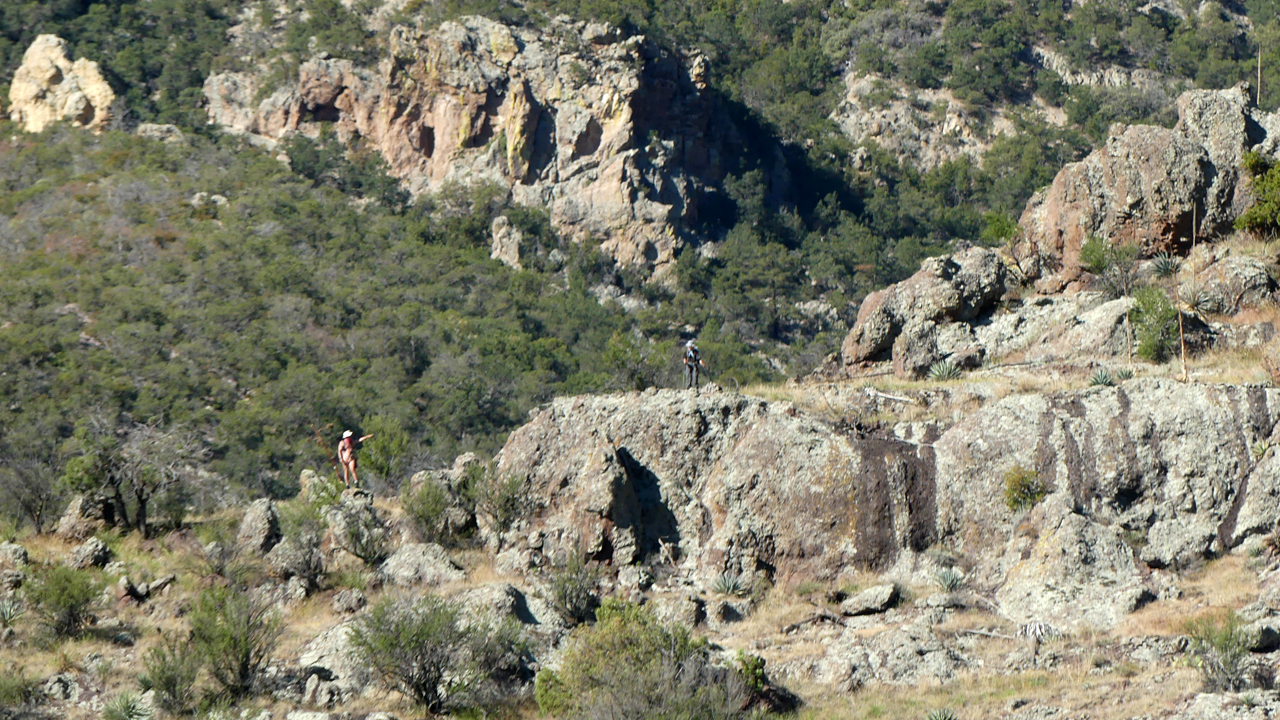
[(907, 655), (563, 124), (337, 671), (49, 87), (1148, 185), (961, 286), (1070, 572), (1167, 462), (420, 564), (92, 553), (712, 484), (86, 515), (12, 555), (298, 557), (871, 601), (259, 528)]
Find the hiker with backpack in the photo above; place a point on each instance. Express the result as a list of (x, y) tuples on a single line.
[(692, 361)]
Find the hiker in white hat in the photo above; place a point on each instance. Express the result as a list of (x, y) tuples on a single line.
[(692, 361), (347, 457)]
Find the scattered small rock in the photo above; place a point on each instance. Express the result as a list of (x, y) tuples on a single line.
[(349, 601), (420, 564)]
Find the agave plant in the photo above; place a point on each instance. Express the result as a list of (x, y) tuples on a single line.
[(1123, 374), (1165, 265), (1102, 378), (126, 706), (944, 370), (941, 714), (950, 579), (730, 583), (1260, 449), (10, 610)]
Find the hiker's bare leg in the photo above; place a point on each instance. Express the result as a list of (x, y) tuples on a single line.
[(355, 480)]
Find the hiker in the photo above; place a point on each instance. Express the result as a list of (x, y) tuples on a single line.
[(347, 456), (692, 359)]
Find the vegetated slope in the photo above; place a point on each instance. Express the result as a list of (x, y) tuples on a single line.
[(134, 293)]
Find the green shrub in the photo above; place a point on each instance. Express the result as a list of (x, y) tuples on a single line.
[(1219, 648), (503, 500), (573, 589), (1022, 488), (1156, 323), (630, 666), (427, 509), (430, 653), (16, 689), (64, 599), (170, 669), (235, 632)]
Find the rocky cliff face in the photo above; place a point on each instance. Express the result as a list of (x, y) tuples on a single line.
[(1150, 186), (611, 136), (49, 87), (1142, 478)]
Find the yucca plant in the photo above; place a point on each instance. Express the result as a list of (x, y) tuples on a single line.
[(730, 583), (944, 370), (1102, 378)]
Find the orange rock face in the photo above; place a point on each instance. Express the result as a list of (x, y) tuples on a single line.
[(612, 142)]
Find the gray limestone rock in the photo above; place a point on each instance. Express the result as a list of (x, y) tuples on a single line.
[(92, 553)]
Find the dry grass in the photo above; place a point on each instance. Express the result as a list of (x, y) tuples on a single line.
[(1114, 694), (1224, 584)]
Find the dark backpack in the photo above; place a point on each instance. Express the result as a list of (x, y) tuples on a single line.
[(691, 356)]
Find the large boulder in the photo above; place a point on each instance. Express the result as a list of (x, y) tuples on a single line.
[(49, 87), (562, 121), (297, 557), (911, 654), (335, 671), (259, 528), (12, 555), (1149, 185), (86, 515), (957, 287)]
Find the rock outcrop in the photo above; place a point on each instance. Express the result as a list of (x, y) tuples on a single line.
[(1149, 185), (1167, 462), (612, 137), (49, 87), (711, 484)]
